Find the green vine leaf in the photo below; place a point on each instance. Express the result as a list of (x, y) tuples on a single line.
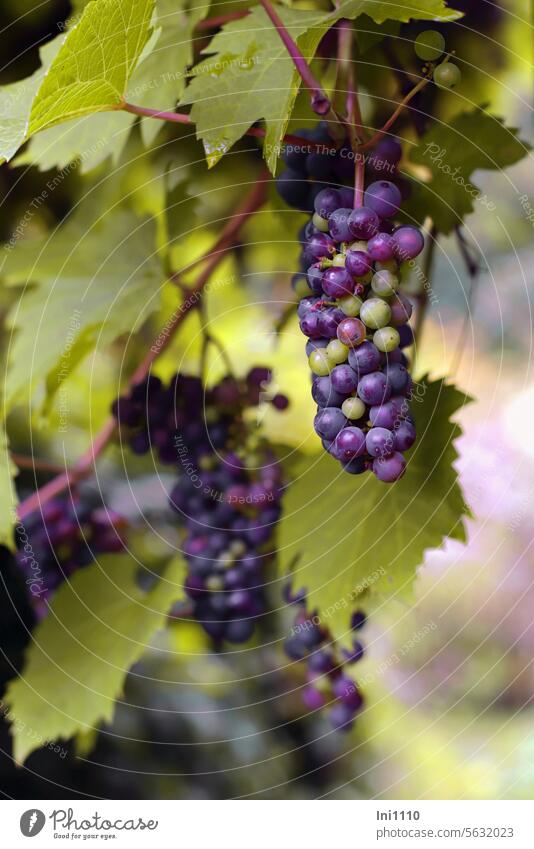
[(91, 70), (99, 625), (16, 103), (249, 75), (346, 536), (452, 152), (96, 279), (8, 495)]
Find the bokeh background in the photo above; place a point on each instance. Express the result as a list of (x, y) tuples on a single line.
[(449, 681)]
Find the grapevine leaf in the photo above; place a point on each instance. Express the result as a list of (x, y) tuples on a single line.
[(16, 103), (8, 496), (249, 75), (95, 275), (346, 534), (97, 58), (452, 152), (159, 81), (100, 623)]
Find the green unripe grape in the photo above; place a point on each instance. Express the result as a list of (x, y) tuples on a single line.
[(302, 290), (353, 408), (384, 284), (351, 305), (386, 339), (214, 583), (388, 265), (337, 352), (375, 313), (320, 223), (339, 260), (429, 45), (447, 75), (358, 246), (319, 362)]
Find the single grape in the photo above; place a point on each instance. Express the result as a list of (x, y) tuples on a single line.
[(386, 338), (350, 443), (447, 75), (346, 690), (339, 228), (404, 436), (319, 362), (384, 283), (324, 394), (384, 198), (375, 313), (373, 388), (381, 247), (314, 277), (379, 442), (351, 332), (328, 422), (293, 189), (319, 223), (397, 377), (344, 379), (401, 309), (364, 359), (384, 415), (386, 155), (309, 324), (355, 466), (351, 305), (341, 716), (337, 352), (429, 45), (337, 283), (357, 620), (363, 222), (389, 469), (328, 322), (320, 246), (357, 263), (353, 408), (408, 241), (406, 337), (326, 202), (319, 165)]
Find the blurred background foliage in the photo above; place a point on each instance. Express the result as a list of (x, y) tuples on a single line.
[(449, 682)]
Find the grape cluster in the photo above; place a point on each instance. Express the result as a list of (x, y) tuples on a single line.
[(64, 536), (227, 493), (329, 685), (356, 322), (320, 164)]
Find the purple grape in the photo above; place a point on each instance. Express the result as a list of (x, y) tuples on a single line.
[(409, 242), (339, 228), (386, 155), (324, 394), (326, 202), (381, 247), (328, 322), (357, 620), (346, 195), (320, 246), (309, 325), (384, 198), (344, 379), (397, 378), (350, 443), (357, 263), (373, 388), (315, 279), (345, 689), (341, 717), (355, 466), (406, 336), (364, 359), (363, 222), (404, 436), (293, 189), (401, 309), (328, 422), (379, 442), (313, 698), (389, 469), (337, 282)]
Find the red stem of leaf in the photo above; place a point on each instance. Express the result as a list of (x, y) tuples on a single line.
[(221, 20), (182, 118), (393, 117), (84, 466), (308, 78)]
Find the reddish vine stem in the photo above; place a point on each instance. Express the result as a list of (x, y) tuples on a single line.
[(319, 100), (83, 467), (359, 180), (393, 117), (182, 118), (22, 461)]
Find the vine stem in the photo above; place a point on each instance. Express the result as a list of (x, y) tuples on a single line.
[(84, 465), (319, 100), (220, 20), (182, 118), (22, 461), (393, 117)]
